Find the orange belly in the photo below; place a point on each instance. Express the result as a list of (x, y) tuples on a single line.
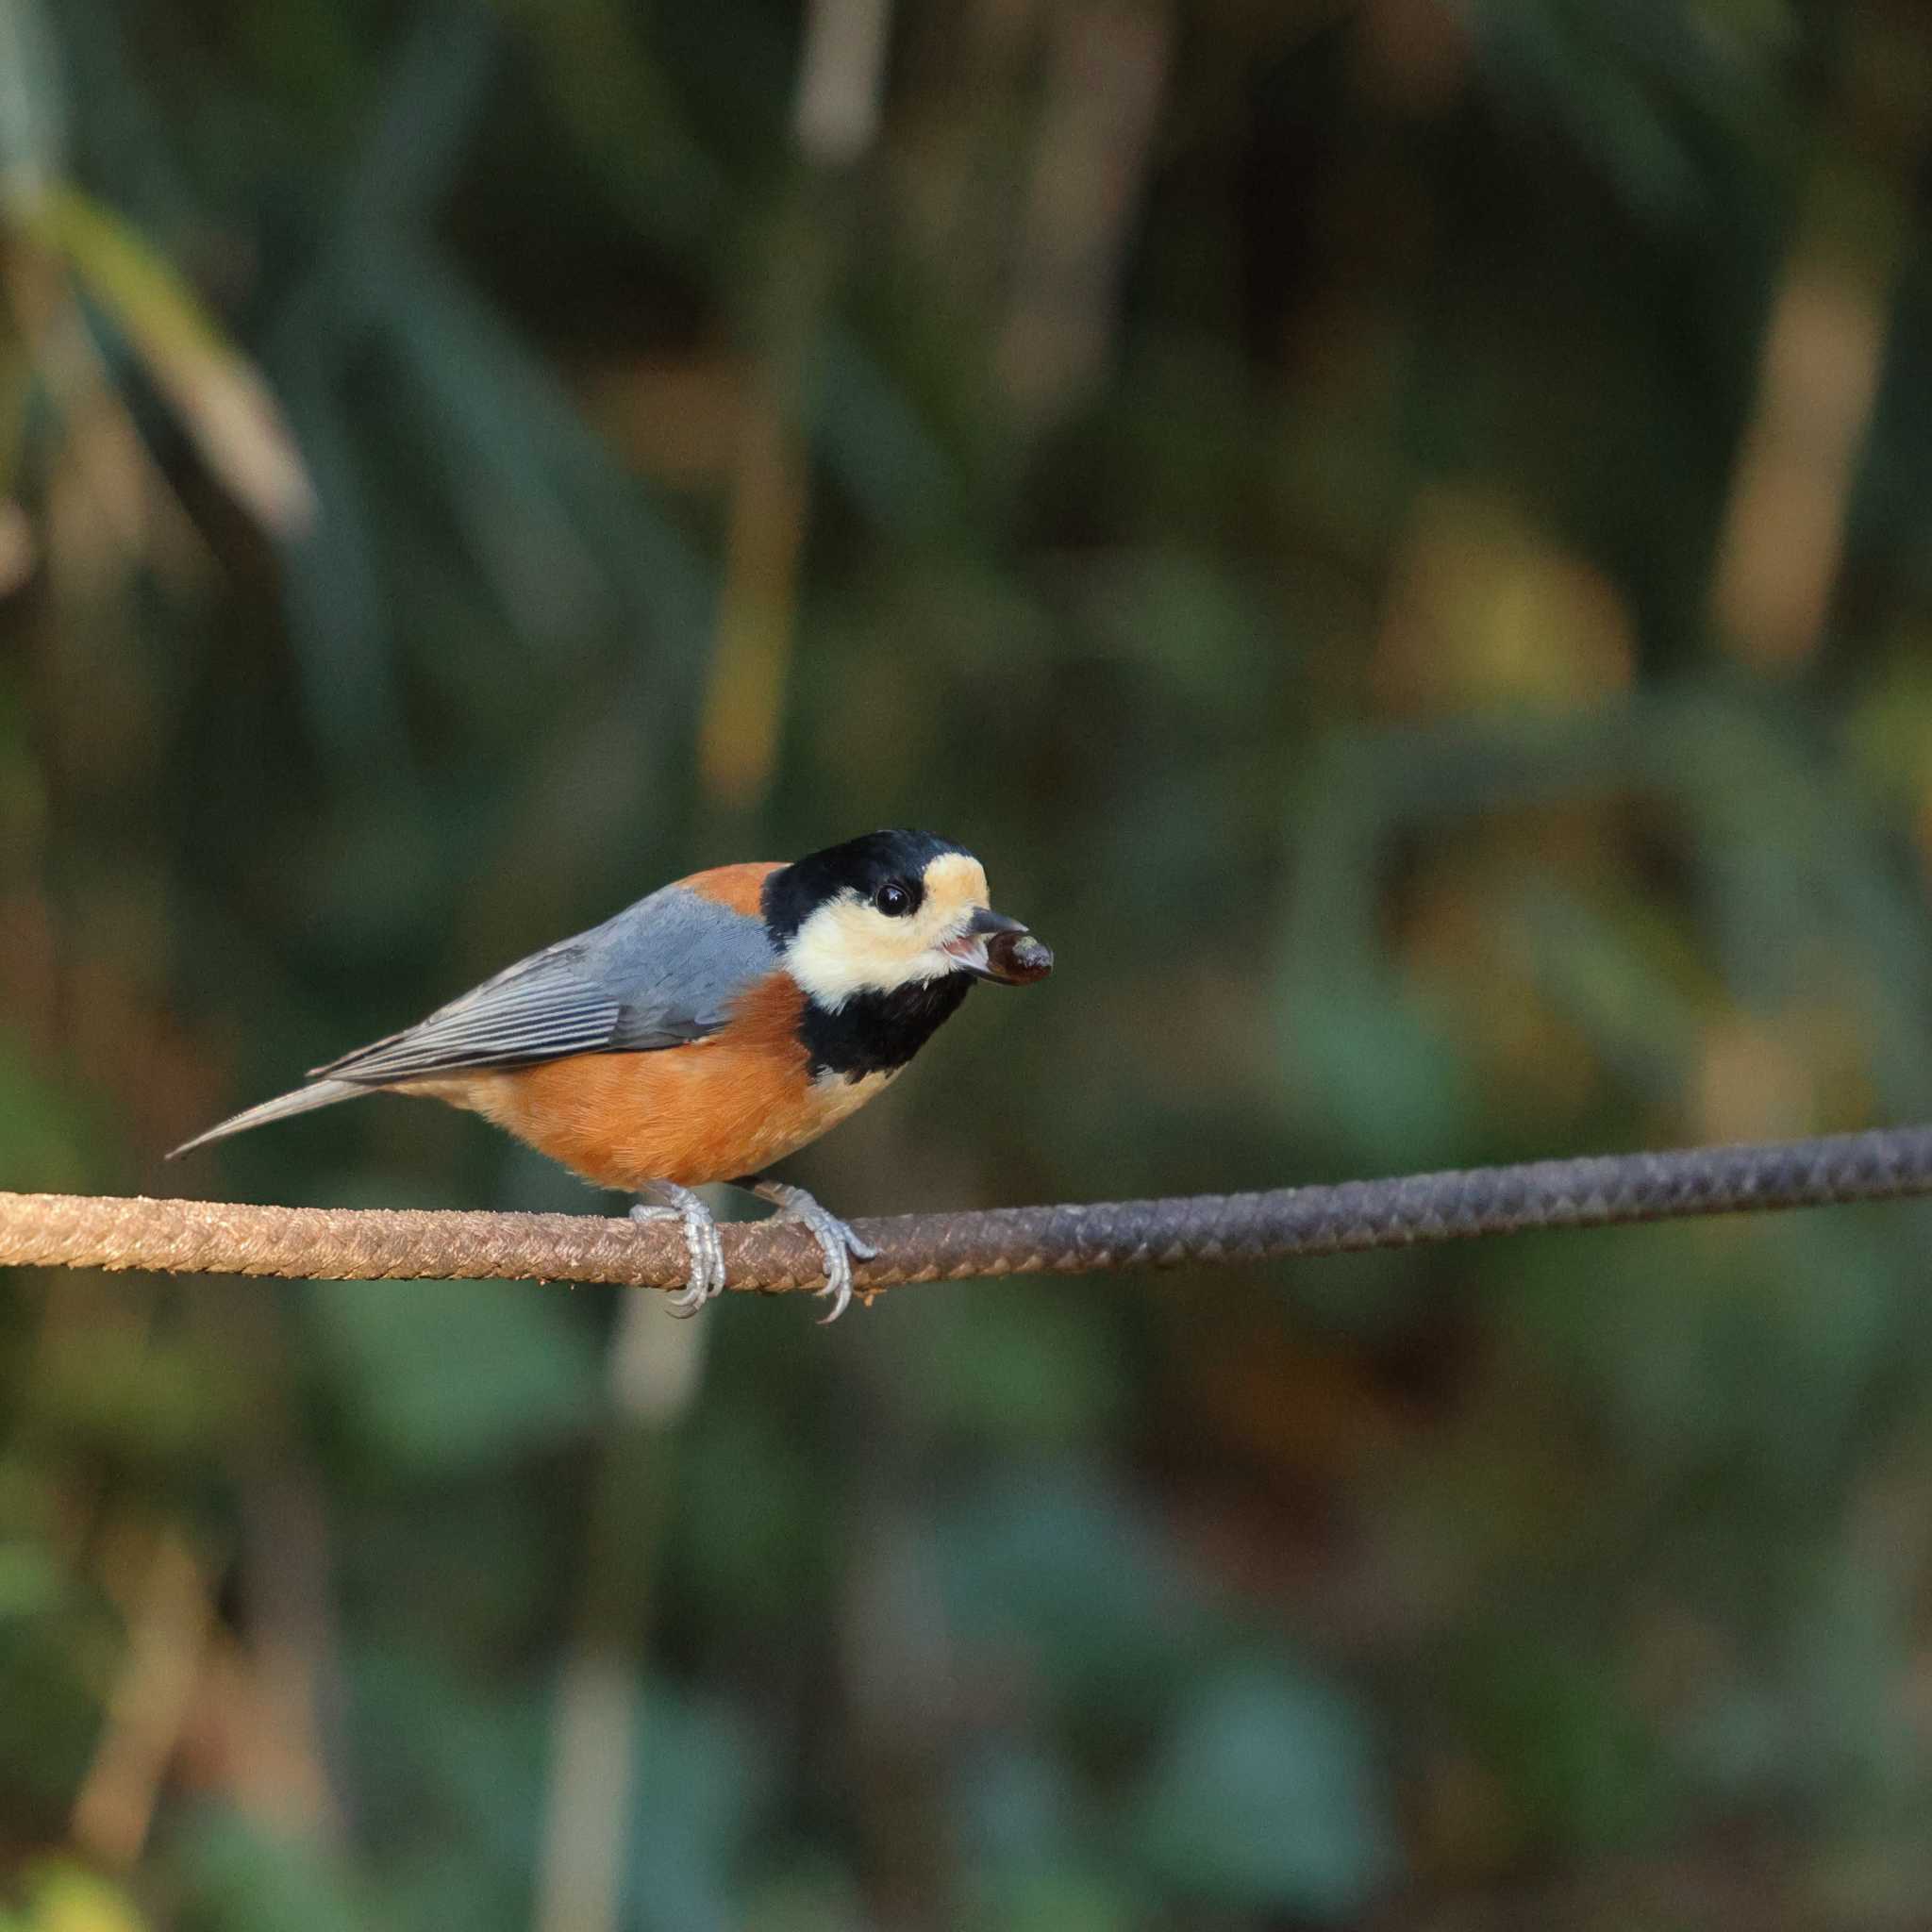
[(724, 1106)]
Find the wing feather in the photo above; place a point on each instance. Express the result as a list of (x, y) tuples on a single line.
[(662, 973)]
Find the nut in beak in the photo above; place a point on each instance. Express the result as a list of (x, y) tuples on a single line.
[(999, 949)]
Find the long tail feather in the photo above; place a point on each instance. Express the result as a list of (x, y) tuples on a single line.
[(323, 1093)]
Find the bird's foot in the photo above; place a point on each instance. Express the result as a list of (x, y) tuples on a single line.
[(836, 1240), (706, 1252)]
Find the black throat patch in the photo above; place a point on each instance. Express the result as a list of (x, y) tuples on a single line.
[(875, 1032)]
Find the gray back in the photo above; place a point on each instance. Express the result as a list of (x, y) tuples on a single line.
[(662, 973)]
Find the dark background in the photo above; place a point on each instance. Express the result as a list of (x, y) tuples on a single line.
[(1398, 531)]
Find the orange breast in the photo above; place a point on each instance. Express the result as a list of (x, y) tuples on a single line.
[(724, 1106)]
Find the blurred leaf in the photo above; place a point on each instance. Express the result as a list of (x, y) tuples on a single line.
[(621, 111), (427, 103), (462, 1767), (46, 1139), (1266, 1796), (126, 144), (332, 577), (238, 1875), (815, 1896), (452, 1760), (66, 1898), (163, 1402), (1020, 1371), (701, 1785), (427, 109), (1642, 87), (439, 1377), (54, 1668), (875, 444), (1066, 1898), (1184, 621), (30, 1582), (1027, 1857), (33, 131), (541, 441), (221, 399), (1373, 1078), (1550, 1712), (475, 394), (1054, 1575), (753, 1527)]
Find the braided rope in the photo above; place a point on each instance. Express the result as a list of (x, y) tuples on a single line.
[(335, 1244)]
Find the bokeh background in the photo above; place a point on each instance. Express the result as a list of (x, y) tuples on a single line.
[(1398, 529)]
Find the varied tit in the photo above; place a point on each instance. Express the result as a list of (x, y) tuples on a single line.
[(709, 1030)]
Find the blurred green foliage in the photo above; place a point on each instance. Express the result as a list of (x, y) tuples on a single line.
[(1398, 531)]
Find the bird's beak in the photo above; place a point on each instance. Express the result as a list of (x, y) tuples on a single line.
[(996, 948)]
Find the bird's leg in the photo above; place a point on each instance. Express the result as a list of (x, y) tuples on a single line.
[(836, 1240), (706, 1252)]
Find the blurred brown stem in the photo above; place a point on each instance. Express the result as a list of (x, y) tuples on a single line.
[(1824, 355), (169, 1615)]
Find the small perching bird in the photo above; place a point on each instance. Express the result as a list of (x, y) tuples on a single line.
[(709, 1030)]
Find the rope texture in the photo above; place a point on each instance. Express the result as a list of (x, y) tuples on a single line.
[(365, 1245)]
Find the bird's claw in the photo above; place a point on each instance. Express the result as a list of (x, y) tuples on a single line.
[(837, 1242), (701, 1241)]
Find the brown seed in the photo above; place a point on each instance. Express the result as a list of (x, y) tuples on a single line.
[(1018, 958)]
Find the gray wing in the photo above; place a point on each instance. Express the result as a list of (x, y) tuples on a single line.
[(662, 973)]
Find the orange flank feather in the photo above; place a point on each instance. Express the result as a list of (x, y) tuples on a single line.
[(723, 1107), (736, 886)]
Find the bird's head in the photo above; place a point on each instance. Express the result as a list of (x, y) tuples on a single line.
[(890, 911)]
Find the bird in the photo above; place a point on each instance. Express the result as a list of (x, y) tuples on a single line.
[(708, 1031)]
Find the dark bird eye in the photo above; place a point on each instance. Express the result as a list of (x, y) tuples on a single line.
[(893, 899)]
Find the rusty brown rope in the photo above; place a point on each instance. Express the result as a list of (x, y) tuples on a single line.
[(338, 1244)]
